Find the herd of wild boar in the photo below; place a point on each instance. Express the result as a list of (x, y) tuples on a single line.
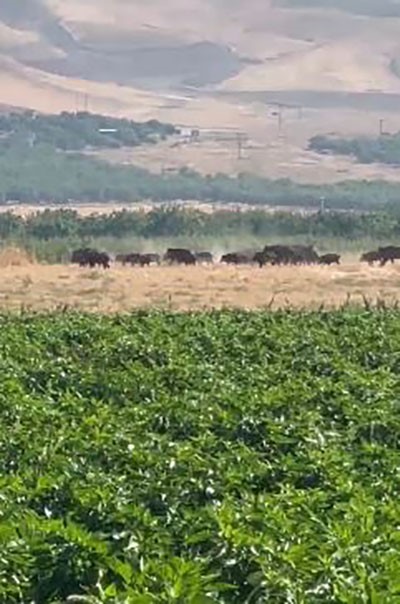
[(275, 255)]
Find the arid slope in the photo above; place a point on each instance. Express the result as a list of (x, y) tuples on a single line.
[(160, 46), (206, 63)]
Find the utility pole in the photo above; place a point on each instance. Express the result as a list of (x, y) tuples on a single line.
[(240, 141), (280, 120), (81, 102)]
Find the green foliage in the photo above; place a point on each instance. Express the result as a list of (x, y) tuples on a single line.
[(43, 174), (76, 131), (40, 162), (223, 457), (69, 225), (384, 149)]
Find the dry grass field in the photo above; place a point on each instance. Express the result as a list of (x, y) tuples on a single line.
[(265, 153), (27, 284)]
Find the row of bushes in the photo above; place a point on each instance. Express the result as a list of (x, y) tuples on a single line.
[(179, 222), (383, 149), (42, 174), (76, 131)]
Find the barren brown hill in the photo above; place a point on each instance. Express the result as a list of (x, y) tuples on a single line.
[(331, 65)]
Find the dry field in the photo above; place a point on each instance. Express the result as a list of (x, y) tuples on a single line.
[(104, 209), (26, 284), (266, 154)]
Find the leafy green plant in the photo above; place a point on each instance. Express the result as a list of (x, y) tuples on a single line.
[(221, 457)]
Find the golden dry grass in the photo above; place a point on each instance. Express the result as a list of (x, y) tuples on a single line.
[(14, 256), (41, 287)]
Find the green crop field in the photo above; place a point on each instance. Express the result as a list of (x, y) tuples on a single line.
[(221, 457)]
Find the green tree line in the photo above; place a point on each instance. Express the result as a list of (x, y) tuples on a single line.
[(384, 149), (76, 131), (43, 174), (175, 222)]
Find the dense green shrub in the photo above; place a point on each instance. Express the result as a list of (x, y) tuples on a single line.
[(180, 222), (76, 131), (384, 149)]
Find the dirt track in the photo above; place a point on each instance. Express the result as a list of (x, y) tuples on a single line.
[(41, 287)]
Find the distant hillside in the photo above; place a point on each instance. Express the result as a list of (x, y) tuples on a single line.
[(246, 45), (36, 16), (207, 63)]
